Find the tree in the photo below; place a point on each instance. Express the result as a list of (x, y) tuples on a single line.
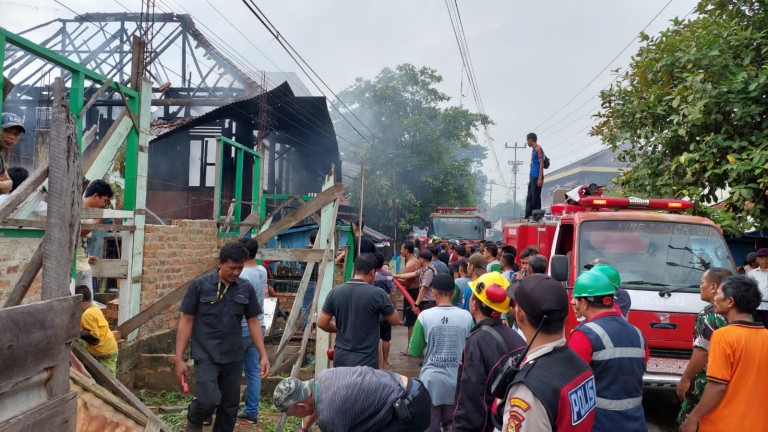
[(692, 106), (419, 151)]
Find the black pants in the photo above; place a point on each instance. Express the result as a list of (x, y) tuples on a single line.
[(420, 407), (533, 200), (217, 387)]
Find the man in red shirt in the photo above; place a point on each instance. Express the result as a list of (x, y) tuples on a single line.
[(616, 351)]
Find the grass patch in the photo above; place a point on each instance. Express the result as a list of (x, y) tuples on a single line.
[(175, 421), (268, 414)]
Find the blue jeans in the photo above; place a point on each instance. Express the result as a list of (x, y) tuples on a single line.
[(306, 302), (253, 380)]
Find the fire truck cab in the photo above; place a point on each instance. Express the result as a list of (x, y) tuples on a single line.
[(660, 256), (458, 223)]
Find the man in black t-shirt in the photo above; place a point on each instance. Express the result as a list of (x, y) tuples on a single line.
[(356, 306)]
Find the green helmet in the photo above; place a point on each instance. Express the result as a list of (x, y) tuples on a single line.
[(608, 271), (590, 284)]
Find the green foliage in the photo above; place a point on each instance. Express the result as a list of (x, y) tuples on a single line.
[(692, 107), (420, 151)]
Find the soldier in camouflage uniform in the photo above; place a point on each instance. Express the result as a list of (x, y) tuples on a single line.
[(691, 385)]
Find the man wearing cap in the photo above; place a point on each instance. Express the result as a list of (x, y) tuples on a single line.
[(356, 307), (760, 275), (442, 331), (554, 388), (616, 351), (488, 346), (355, 399), (13, 129), (623, 301)]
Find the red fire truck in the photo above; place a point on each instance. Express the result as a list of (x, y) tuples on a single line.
[(457, 223), (659, 253)]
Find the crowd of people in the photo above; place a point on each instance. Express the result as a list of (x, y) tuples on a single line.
[(490, 335)]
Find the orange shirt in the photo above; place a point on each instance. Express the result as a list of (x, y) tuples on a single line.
[(738, 357)]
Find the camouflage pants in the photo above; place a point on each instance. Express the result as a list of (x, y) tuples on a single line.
[(692, 397), (109, 362)]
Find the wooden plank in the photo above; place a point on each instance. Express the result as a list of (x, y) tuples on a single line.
[(35, 337), (95, 96), (302, 212), (286, 254), (102, 156), (154, 425), (325, 281), (88, 137), (64, 200), (41, 224), (108, 397), (29, 274), (97, 213), (57, 414), (216, 184), (325, 229), (130, 288), (283, 224), (110, 268), (22, 192), (109, 382)]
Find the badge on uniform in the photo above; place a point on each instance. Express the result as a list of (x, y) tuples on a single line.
[(583, 400)]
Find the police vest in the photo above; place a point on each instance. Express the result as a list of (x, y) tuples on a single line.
[(565, 385), (618, 361)]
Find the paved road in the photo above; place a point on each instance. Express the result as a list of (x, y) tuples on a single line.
[(661, 406)]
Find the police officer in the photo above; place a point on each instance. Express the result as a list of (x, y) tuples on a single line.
[(616, 351), (554, 389), (212, 311), (487, 347)]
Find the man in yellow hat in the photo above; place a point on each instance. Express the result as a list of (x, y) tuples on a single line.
[(488, 346)]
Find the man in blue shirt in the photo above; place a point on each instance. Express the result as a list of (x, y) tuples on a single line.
[(536, 180)]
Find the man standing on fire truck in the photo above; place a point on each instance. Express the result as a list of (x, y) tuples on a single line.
[(616, 351), (536, 180)]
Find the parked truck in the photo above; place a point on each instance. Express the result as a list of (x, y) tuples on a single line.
[(659, 253), (464, 224)]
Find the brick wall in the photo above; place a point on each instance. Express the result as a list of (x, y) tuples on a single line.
[(15, 253), (173, 255)]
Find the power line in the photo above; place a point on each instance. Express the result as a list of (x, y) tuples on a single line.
[(461, 40), (603, 69), (304, 65)]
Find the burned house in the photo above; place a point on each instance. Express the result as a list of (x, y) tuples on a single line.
[(299, 149)]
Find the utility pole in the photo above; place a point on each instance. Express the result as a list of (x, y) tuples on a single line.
[(515, 168)]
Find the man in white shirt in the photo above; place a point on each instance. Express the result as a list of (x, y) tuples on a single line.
[(760, 274)]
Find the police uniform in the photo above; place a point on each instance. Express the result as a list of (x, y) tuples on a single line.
[(217, 345), (554, 390)]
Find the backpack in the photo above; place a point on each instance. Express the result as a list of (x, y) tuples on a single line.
[(545, 163)]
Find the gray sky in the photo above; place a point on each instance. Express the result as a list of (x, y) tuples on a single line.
[(530, 57)]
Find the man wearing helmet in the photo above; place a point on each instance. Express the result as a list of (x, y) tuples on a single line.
[(487, 347), (623, 301), (616, 351)]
